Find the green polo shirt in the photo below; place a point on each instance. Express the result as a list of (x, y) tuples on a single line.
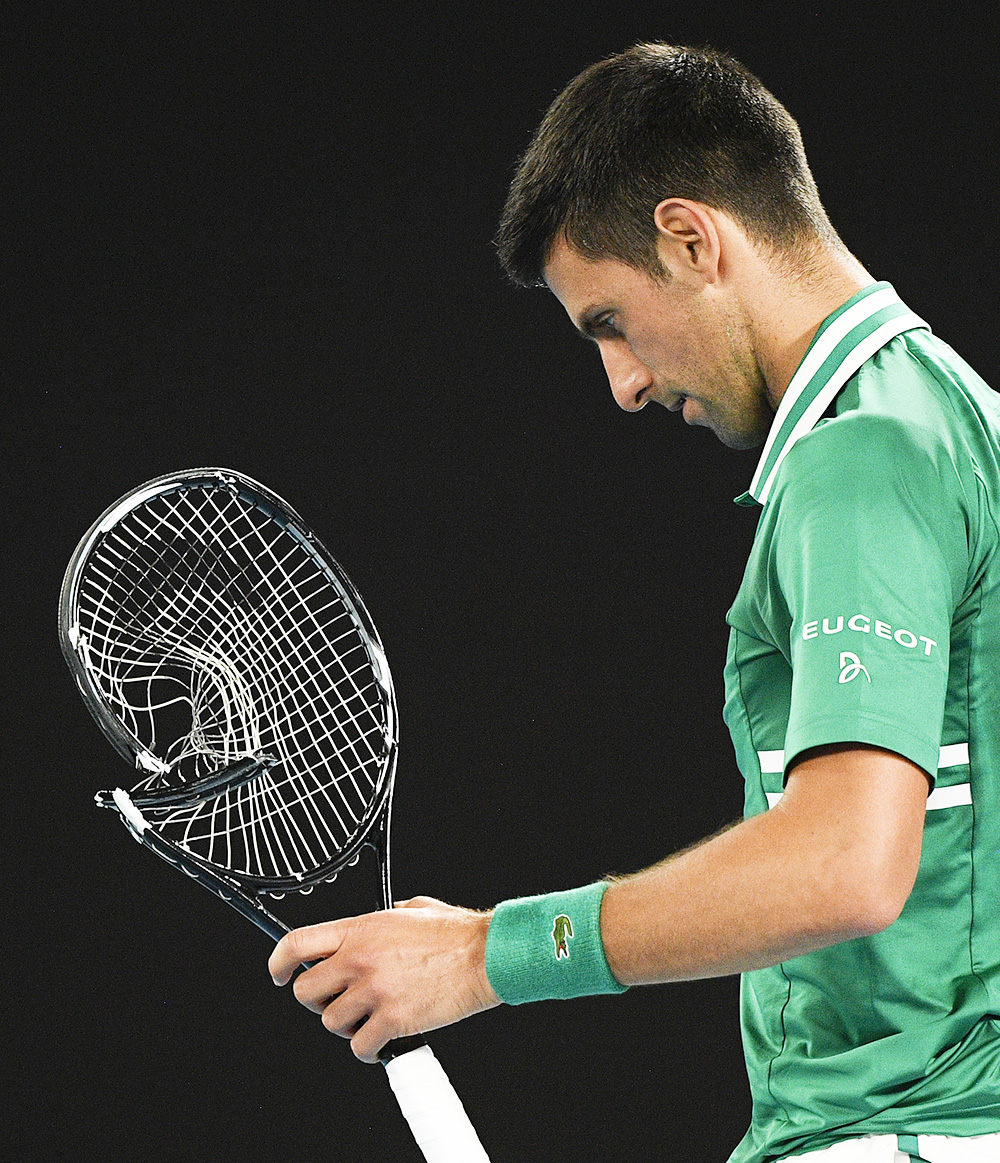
[(870, 613)]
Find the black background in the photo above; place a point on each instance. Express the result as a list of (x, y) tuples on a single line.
[(258, 236)]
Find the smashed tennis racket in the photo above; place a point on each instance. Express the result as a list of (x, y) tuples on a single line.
[(230, 661)]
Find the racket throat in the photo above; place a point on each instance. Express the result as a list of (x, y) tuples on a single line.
[(226, 779), (379, 841)]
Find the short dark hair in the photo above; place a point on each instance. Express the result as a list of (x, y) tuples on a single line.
[(658, 121)]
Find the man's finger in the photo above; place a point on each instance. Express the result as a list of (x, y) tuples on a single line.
[(317, 987), (305, 944), (370, 1038), (346, 1014)]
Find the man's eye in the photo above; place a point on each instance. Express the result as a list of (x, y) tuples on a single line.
[(607, 325)]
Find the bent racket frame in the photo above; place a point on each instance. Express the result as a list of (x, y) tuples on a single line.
[(227, 657), (102, 688)]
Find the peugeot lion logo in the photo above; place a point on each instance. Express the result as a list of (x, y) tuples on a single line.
[(851, 666)]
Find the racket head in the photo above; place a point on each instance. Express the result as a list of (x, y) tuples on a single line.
[(226, 655)]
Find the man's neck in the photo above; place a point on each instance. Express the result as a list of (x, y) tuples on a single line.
[(784, 312)]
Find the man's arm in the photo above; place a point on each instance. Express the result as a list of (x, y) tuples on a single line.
[(835, 859)]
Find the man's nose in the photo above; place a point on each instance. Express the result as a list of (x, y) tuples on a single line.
[(629, 377)]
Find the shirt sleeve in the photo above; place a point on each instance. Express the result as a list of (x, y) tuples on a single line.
[(870, 553)]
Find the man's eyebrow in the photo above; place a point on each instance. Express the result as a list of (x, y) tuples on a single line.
[(587, 323)]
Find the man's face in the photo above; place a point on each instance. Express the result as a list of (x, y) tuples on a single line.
[(682, 343)]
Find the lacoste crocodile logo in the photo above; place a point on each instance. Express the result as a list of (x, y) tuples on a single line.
[(562, 931)]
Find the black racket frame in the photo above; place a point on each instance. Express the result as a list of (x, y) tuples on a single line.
[(239, 890), (213, 784)]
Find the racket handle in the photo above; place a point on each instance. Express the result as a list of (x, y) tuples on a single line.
[(432, 1109)]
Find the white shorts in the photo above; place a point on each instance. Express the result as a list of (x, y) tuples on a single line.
[(887, 1149)]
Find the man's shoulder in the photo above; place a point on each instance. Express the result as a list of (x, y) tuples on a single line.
[(914, 405), (865, 444), (920, 378)]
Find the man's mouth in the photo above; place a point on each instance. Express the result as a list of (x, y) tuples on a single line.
[(691, 411)]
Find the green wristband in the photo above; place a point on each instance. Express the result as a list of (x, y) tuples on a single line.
[(541, 947)]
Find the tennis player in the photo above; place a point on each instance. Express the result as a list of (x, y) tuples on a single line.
[(666, 201)]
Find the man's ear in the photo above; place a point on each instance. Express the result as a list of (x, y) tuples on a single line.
[(688, 241)]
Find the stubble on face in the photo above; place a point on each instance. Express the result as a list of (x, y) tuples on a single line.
[(736, 403), (694, 341), (702, 345)]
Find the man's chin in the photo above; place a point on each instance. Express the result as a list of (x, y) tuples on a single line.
[(740, 441), (750, 435)]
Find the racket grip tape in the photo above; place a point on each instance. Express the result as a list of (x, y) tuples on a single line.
[(432, 1109)]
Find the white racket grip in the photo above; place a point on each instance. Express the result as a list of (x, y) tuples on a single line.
[(433, 1109)]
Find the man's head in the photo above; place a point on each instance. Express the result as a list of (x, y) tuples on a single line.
[(658, 121), (666, 201)]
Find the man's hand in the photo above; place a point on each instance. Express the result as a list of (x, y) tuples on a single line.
[(387, 975)]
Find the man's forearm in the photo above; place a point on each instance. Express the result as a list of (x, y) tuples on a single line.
[(835, 859), (731, 904), (833, 863)]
